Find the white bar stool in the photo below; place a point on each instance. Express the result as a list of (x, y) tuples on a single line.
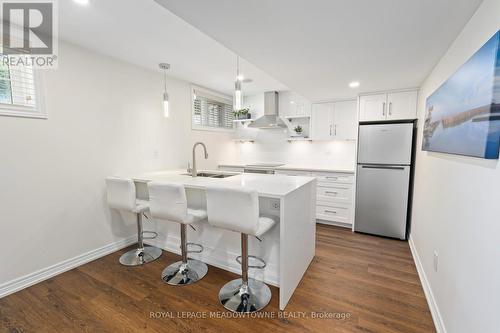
[(121, 196), (237, 209), (168, 202)]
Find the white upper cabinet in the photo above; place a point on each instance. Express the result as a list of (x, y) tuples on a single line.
[(372, 107), (334, 121), (388, 106), (292, 104), (345, 122), (402, 105), (322, 121)]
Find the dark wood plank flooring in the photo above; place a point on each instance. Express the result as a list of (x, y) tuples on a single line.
[(356, 283)]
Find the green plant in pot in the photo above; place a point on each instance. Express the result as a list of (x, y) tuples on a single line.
[(236, 114), (298, 130), (245, 113), (242, 114)]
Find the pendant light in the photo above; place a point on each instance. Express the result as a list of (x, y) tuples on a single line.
[(165, 67), (238, 95)]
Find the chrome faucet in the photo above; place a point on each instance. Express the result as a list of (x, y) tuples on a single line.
[(194, 172)]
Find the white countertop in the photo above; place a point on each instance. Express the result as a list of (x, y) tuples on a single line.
[(297, 167), (265, 185)]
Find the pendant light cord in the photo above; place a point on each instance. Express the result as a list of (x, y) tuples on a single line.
[(165, 75), (237, 67)]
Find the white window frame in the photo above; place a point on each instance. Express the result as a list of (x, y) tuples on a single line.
[(38, 111), (210, 92)]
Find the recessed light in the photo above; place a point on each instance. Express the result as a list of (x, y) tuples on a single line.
[(292, 102), (82, 2), (354, 84)]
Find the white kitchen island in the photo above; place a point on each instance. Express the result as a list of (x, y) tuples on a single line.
[(288, 248)]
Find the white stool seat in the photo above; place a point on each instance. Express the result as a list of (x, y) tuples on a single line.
[(237, 209), (195, 215), (121, 196), (141, 206), (168, 202), (265, 223)]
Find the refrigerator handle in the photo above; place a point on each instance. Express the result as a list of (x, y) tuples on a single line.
[(382, 167)]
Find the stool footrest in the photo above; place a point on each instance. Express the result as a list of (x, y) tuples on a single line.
[(200, 248), (262, 266), (153, 233)]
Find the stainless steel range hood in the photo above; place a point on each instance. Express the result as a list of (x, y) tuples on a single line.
[(270, 119)]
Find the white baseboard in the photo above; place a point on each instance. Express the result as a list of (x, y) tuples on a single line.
[(436, 316), (218, 258), (48, 272), (337, 224)]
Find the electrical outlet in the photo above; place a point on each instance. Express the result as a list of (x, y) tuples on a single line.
[(274, 204), (436, 261)]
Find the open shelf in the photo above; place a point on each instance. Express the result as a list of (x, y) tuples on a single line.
[(296, 117), (291, 139), (243, 120)]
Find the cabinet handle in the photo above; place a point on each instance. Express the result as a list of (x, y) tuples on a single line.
[(383, 109), (329, 177), (330, 130), (330, 211), (335, 129), (331, 192), (390, 108)]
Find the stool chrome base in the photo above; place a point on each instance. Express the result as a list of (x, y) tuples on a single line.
[(236, 297), (179, 274), (140, 256)]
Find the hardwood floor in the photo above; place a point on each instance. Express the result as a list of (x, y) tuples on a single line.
[(369, 283)]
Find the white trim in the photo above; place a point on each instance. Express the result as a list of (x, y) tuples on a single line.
[(39, 111), (224, 98), (218, 258), (335, 100), (390, 91), (194, 127), (431, 301), (335, 223), (66, 265), (210, 129)]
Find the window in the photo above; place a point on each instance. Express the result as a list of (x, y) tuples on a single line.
[(18, 95), (211, 111)]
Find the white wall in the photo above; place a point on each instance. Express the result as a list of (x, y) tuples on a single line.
[(105, 118), (456, 208), (272, 145)]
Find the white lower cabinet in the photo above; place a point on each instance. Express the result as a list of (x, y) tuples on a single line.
[(334, 196), (333, 212)]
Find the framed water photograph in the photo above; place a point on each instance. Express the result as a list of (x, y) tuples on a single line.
[(463, 114)]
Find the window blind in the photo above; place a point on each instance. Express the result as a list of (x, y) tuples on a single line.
[(211, 111), (17, 86)]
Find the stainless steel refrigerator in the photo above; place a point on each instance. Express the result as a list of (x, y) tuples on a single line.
[(383, 179)]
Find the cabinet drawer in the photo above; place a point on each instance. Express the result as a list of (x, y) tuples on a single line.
[(338, 213), (335, 193), (326, 178)]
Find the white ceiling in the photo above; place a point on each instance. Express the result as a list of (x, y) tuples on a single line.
[(316, 47), (144, 33)]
